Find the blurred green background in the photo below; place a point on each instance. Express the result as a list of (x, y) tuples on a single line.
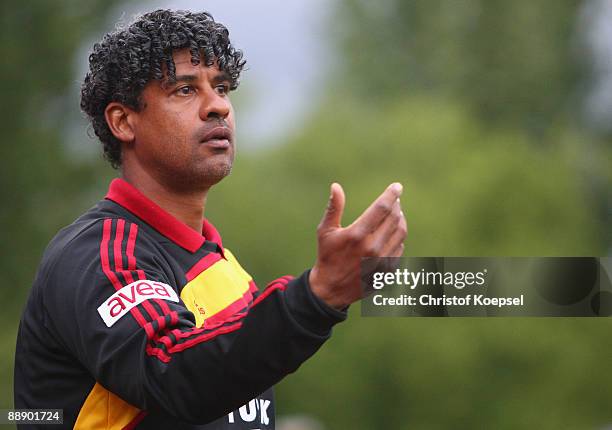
[(477, 107)]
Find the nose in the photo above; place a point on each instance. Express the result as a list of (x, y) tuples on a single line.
[(214, 105)]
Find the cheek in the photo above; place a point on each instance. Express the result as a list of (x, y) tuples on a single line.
[(171, 131), (163, 139), (231, 119)]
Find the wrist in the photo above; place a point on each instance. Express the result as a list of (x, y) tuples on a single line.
[(323, 291)]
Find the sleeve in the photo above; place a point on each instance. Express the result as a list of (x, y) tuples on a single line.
[(144, 346)]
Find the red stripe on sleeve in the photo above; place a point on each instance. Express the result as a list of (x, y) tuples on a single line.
[(130, 246), (208, 324), (131, 259), (202, 265), (150, 309), (129, 250), (204, 337), (117, 245), (164, 306), (279, 284), (137, 419), (194, 337), (112, 276), (253, 287), (156, 352), (104, 258), (132, 266), (223, 315), (129, 278)]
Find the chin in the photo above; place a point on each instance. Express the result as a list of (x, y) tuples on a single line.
[(214, 174)]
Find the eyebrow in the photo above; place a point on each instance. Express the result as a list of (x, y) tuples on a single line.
[(222, 76), (185, 78)]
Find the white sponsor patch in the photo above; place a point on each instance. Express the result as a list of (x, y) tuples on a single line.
[(132, 295)]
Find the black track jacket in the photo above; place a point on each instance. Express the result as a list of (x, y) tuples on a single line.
[(137, 321)]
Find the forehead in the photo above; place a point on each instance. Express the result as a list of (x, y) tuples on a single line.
[(182, 59), (183, 66)]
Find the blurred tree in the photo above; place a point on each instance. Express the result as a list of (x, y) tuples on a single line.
[(41, 188), (515, 65), (440, 374), (40, 183), (511, 62)]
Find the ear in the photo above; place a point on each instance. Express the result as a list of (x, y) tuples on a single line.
[(120, 121)]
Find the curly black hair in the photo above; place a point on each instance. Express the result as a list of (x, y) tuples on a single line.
[(127, 59)]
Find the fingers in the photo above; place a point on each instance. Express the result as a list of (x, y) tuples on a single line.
[(390, 235), (379, 239), (380, 209), (335, 207), (394, 246)]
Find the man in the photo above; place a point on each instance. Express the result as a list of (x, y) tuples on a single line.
[(139, 315)]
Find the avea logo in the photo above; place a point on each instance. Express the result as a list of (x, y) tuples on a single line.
[(132, 295)]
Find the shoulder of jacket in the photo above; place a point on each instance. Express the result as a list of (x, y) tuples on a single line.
[(85, 238)]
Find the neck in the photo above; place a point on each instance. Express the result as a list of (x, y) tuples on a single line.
[(187, 207)]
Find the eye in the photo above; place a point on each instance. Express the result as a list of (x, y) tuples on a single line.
[(185, 90), (222, 89)]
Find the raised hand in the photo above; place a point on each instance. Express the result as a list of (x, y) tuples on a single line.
[(378, 232)]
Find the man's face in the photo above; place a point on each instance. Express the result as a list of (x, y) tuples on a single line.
[(184, 133)]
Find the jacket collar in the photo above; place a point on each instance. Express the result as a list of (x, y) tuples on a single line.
[(127, 196)]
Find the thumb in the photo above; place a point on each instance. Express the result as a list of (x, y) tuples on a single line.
[(335, 207)]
